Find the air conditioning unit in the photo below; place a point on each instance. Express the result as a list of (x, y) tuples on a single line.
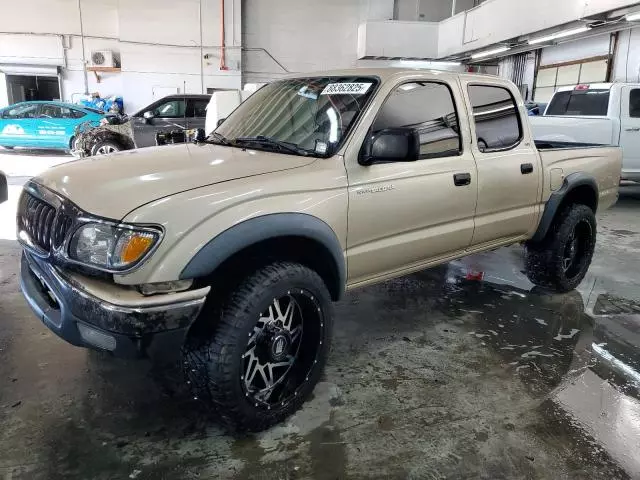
[(102, 58)]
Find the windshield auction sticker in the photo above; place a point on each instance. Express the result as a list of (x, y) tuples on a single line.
[(346, 88)]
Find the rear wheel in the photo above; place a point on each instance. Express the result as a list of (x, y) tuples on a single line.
[(258, 357), (105, 147), (562, 259)]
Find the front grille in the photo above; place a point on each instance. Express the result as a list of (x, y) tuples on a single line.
[(62, 225), (36, 218)]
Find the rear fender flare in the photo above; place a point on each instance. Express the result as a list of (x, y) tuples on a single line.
[(571, 182)]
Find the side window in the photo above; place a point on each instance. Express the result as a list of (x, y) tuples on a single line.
[(170, 109), (50, 111), (198, 108), (22, 111), (634, 103), (429, 108), (73, 113), (496, 117)]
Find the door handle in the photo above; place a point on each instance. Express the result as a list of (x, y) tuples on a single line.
[(526, 168), (634, 129), (462, 179)]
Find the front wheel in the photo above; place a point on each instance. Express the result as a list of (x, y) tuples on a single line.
[(260, 355), (105, 147), (562, 259)]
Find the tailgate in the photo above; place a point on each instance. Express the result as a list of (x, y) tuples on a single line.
[(604, 164)]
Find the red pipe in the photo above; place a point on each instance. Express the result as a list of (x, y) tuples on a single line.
[(223, 64)]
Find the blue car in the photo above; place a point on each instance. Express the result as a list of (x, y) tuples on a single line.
[(44, 124)]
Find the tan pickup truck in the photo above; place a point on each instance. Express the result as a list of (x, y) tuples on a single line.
[(231, 250)]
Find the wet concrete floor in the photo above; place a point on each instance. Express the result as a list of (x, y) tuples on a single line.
[(462, 371)]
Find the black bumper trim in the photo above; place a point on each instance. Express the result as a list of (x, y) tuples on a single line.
[(139, 332)]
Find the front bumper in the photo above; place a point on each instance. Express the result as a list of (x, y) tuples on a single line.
[(85, 320)]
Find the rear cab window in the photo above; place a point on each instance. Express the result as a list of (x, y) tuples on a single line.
[(580, 102)]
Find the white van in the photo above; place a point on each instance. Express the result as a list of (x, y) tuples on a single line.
[(600, 113)]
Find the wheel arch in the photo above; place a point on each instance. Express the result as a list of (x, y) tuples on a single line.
[(577, 188), (297, 237)]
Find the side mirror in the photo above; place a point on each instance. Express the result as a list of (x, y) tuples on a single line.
[(148, 115), (220, 120), (391, 145), (201, 136)]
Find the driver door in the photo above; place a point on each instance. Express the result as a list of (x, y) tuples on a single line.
[(404, 215), (166, 115), (18, 126)]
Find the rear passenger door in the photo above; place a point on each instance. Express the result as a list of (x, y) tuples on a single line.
[(630, 131), (509, 170)]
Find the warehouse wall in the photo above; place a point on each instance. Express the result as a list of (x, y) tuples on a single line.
[(157, 41), (478, 28), (428, 10), (626, 66), (571, 51), (304, 35)]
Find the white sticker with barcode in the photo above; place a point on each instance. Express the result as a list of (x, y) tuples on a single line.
[(346, 88)]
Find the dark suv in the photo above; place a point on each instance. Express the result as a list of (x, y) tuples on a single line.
[(171, 113)]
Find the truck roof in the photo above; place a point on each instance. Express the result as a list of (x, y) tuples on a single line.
[(590, 86), (390, 72)]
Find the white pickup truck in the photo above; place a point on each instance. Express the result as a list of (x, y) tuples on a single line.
[(602, 113)]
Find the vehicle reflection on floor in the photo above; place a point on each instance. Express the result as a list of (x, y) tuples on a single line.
[(580, 352)]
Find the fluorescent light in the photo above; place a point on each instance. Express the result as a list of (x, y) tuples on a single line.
[(631, 17), (488, 53), (565, 33), (427, 64)]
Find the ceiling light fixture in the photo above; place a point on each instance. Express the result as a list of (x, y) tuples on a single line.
[(427, 63), (488, 53), (562, 34), (632, 17)]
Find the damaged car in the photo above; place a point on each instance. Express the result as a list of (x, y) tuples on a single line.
[(174, 113)]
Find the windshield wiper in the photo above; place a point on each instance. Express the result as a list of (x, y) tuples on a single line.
[(219, 139), (263, 140)]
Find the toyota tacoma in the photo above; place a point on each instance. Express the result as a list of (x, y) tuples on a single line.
[(230, 251)]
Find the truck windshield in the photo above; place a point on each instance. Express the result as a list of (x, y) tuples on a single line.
[(304, 116), (580, 103)]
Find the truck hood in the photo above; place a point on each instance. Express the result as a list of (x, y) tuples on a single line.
[(113, 185)]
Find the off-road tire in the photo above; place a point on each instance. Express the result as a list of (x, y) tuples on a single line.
[(544, 260), (214, 347), (109, 144)]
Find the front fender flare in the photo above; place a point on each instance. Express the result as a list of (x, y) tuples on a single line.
[(571, 182), (266, 227)]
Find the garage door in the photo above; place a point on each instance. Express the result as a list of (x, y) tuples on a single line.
[(552, 77)]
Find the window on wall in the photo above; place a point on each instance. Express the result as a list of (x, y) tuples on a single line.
[(496, 118), (551, 78), (428, 108)]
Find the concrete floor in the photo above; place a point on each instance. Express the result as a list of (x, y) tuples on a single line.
[(438, 375)]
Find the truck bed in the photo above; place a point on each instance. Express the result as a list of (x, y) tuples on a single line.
[(558, 145), (561, 159), (594, 130)]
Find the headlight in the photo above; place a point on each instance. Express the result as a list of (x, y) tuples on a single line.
[(112, 247)]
